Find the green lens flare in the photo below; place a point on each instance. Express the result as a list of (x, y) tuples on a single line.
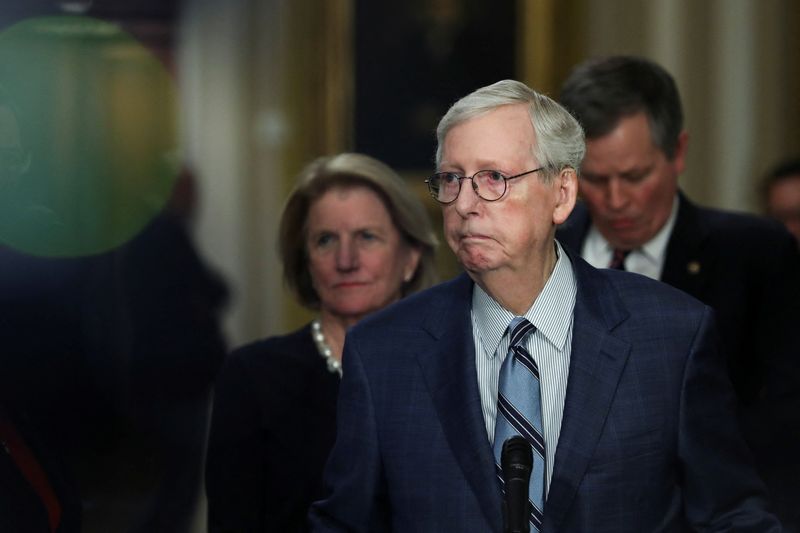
[(88, 136)]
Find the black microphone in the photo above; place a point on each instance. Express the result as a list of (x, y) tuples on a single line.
[(516, 460)]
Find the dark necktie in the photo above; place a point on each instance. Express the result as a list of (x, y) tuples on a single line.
[(519, 412), (618, 259)]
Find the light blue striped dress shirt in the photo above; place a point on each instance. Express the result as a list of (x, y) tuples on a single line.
[(550, 346)]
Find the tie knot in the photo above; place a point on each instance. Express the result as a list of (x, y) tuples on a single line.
[(520, 328), (618, 259)]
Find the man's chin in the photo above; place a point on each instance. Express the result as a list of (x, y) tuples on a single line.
[(475, 263), (623, 240)]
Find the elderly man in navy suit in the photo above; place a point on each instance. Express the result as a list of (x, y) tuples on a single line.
[(614, 379), (745, 267)]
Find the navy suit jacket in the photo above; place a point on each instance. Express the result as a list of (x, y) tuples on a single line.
[(647, 443), (747, 269)]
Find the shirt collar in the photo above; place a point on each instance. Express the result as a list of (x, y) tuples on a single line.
[(656, 248), (551, 312)]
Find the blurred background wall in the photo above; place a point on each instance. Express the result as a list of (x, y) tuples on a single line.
[(270, 84)]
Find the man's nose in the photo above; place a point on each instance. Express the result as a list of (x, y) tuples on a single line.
[(467, 198), (617, 194)]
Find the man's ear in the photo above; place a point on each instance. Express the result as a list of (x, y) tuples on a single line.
[(678, 161), (567, 193)]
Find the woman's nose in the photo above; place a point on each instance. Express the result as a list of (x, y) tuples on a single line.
[(347, 256)]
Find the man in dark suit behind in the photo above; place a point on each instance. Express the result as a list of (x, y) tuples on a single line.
[(745, 267), (633, 430)]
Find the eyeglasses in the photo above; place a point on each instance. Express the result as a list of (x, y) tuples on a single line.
[(490, 185)]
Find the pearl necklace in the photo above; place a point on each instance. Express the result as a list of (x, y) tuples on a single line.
[(324, 350)]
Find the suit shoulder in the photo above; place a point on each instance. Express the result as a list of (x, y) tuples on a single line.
[(648, 309), (739, 226), (649, 294), (420, 307), (274, 352), (756, 244)]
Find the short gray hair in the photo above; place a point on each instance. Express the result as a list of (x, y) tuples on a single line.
[(559, 138)]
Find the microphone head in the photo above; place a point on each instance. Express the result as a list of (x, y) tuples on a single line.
[(516, 458)]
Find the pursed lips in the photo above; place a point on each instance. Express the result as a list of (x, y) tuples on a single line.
[(473, 237)]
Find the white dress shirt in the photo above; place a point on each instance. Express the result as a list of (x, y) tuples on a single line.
[(550, 346)]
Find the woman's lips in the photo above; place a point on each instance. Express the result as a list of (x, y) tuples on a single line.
[(349, 284)]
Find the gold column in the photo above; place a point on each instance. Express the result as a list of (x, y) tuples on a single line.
[(318, 81), (339, 75), (550, 41)]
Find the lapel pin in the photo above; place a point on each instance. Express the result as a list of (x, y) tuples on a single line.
[(693, 267)]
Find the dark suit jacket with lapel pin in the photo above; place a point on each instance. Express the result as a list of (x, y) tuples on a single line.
[(747, 268), (648, 441)]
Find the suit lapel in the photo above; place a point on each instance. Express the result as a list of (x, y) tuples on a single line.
[(451, 377), (596, 364), (685, 265)]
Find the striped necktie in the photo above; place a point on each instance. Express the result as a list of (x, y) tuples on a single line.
[(519, 412)]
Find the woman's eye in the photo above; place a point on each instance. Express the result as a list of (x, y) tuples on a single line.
[(324, 240)]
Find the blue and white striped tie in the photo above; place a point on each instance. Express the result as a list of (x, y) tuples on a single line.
[(519, 412)]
